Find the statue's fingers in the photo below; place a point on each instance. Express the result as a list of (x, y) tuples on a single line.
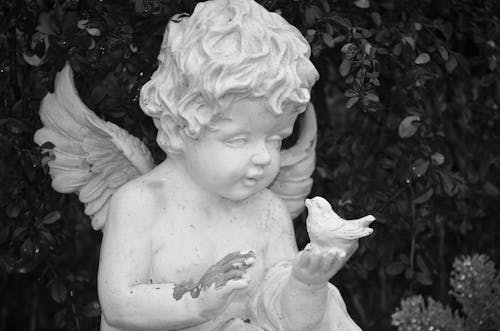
[(237, 284), (233, 274), (235, 255), (240, 263)]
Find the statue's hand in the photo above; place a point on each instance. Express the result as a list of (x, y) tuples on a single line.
[(221, 281), (314, 267)]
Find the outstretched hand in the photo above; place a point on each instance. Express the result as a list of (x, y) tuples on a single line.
[(314, 267), (221, 281)]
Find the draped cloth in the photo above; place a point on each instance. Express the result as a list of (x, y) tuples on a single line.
[(264, 308)]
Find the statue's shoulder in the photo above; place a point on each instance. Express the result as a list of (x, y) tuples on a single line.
[(144, 194), (271, 207)]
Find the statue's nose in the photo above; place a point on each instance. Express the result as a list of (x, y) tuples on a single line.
[(262, 157)]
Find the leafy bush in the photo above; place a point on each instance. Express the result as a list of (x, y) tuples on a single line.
[(408, 130), (476, 286)]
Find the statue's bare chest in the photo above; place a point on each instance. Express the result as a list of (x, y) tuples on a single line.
[(184, 250)]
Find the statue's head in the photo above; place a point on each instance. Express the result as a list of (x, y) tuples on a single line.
[(227, 50)]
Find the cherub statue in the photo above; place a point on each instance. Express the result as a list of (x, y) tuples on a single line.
[(204, 240)]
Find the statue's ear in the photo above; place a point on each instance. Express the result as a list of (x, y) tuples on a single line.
[(171, 135)]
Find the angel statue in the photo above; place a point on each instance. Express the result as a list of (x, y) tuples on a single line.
[(204, 240)]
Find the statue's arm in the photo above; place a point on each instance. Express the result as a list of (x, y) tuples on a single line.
[(302, 305), (128, 297)]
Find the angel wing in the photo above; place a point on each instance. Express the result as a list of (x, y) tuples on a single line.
[(93, 158), (293, 183)]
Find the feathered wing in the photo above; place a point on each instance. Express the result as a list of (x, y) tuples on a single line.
[(294, 181), (93, 158)]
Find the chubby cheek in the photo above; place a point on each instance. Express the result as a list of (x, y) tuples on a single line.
[(273, 169), (226, 166)]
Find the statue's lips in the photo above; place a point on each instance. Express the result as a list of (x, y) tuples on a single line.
[(251, 181)]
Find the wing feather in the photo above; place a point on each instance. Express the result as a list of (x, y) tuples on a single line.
[(92, 207), (293, 183), (94, 188), (91, 160)]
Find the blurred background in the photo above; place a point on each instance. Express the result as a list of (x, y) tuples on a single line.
[(409, 131)]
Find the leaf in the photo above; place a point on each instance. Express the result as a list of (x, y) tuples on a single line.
[(51, 217), (328, 40), (351, 102), (451, 64), (422, 265), (492, 62), (437, 159), (397, 49), (491, 189), (395, 268), (341, 21), (96, 32), (423, 278), (18, 232), (46, 24), (345, 67), (13, 210), (409, 40), (326, 5), (424, 197), (46, 237), (372, 97), (346, 47), (420, 167), (351, 93), (362, 3), (313, 13), (447, 183), (443, 52), (329, 28), (376, 18), (368, 48), (423, 58), (18, 107), (33, 60), (58, 291), (408, 126), (26, 265)]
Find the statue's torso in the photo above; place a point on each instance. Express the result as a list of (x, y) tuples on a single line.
[(187, 240)]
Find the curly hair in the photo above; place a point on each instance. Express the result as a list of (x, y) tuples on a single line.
[(226, 50)]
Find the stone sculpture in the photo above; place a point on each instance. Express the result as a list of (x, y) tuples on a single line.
[(204, 240)]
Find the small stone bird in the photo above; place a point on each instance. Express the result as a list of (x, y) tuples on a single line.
[(328, 230)]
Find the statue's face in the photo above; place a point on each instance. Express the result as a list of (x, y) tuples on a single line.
[(239, 154)]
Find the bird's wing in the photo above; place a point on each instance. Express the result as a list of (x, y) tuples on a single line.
[(92, 158), (352, 230), (294, 181)]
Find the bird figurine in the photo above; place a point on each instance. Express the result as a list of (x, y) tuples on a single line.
[(328, 230)]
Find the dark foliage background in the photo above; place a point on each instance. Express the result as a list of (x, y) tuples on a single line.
[(409, 130)]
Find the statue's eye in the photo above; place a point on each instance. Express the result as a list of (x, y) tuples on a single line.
[(236, 141), (275, 141)]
